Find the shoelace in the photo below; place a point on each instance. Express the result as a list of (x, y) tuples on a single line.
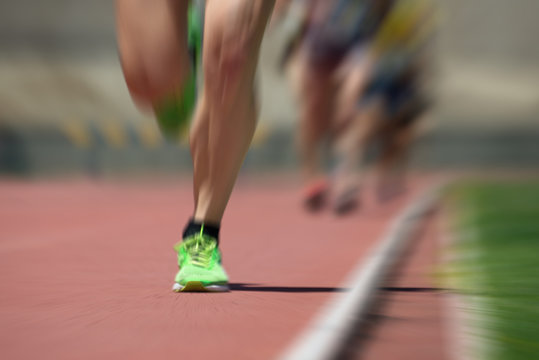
[(200, 248)]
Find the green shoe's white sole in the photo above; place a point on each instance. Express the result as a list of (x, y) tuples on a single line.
[(197, 286)]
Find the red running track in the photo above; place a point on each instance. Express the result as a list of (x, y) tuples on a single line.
[(87, 269)]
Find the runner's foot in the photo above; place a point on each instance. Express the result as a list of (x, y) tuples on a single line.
[(199, 260), (315, 195), (346, 201)]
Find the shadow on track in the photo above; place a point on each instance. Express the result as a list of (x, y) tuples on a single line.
[(411, 289), (289, 289)]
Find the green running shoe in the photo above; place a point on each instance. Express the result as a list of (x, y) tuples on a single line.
[(200, 265), (174, 113)]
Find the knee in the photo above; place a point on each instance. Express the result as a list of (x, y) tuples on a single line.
[(229, 67), (227, 73)]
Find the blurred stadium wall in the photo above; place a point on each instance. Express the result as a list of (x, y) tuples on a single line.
[(64, 107)]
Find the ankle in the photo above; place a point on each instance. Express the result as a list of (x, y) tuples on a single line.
[(194, 227)]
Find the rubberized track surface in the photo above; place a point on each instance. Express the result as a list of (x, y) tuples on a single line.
[(87, 269), (411, 317)]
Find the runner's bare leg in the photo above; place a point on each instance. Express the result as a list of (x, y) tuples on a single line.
[(225, 117), (152, 40)]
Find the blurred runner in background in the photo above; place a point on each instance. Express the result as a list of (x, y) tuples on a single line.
[(357, 66), (396, 92)]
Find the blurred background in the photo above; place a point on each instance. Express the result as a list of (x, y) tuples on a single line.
[(64, 107), (65, 112)]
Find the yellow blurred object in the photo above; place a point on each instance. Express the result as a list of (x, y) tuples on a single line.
[(114, 134), (149, 135), (77, 133), (408, 25)]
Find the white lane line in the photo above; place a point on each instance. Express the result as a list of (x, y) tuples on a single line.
[(324, 337)]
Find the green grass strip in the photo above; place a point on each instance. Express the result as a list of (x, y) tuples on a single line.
[(497, 256)]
